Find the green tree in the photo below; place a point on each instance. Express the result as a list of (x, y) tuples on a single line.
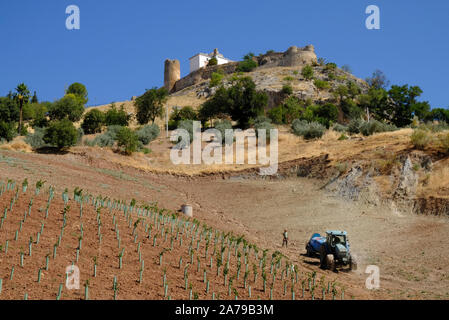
[(117, 117), (23, 97), (353, 89), (376, 101), (68, 107), (185, 113), (93, 121), (149, 106), (79, 90), (7, 130), (405, 105), (127, 140), (36, 113), (34, 98), (292, 108), (61, 134), (39, 114), (378, 80), (438, 114), (351, 109), (9, 110), (276, 115), (325, 114), (248, 64), (241, 101)]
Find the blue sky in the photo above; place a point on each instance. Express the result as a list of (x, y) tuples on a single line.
[(121, 46)]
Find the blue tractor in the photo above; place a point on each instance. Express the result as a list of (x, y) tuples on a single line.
[(333, 250)]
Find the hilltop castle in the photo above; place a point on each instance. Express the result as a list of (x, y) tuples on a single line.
[(294, 56)]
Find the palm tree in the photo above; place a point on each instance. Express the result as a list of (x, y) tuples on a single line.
[(23, 95)]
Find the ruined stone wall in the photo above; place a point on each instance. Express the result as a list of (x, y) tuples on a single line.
[(203, 74), (293, 57)]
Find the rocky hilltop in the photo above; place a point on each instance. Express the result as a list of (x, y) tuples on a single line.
[(275, 69)]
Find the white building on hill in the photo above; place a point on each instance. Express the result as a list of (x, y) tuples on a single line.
[(201, 59)]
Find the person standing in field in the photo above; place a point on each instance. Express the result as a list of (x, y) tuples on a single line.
[(285, 240)]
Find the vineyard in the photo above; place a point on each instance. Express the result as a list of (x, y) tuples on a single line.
[(130, 250)]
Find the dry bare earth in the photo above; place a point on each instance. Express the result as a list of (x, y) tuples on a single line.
[(409, 249)]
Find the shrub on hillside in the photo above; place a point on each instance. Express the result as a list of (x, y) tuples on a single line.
[(103, 140), (93, 121), (248, 64), (307, 72), (276, 115), (106, 139), (321, 84), (216, 78), (148, 133), (373, 126), (80, 134), (212, 62), (308, 130), (61, 134), (331, 66), (264, 125), (113, 131), (420, 139), (188, 126), (340, 128), (36, 139), (287, 89), (127, 140), (354, 126), (222, 126)]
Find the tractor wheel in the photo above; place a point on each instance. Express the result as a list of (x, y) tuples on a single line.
[(309, 252), (353, 263), (330, 262)]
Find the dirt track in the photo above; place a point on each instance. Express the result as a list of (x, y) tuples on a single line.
[(410, 250)]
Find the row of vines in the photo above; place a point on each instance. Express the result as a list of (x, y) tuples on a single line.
[(130, 250)]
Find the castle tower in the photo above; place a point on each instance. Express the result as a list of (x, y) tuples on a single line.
[(172, 73), (295, 56)]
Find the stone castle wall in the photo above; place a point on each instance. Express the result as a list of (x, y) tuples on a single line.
[(203, 74), (294, 56)]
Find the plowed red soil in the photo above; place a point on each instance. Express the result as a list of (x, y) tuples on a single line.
[(257, 209), (25, 278)]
